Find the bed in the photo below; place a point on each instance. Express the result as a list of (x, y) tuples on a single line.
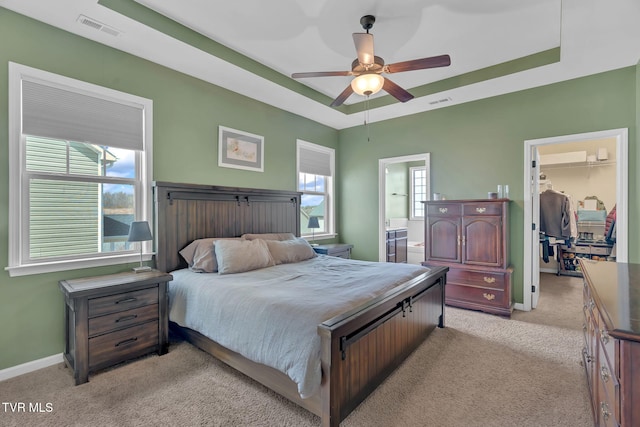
[(358, 348)]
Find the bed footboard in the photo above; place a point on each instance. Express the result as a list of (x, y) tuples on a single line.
[(360, 349)]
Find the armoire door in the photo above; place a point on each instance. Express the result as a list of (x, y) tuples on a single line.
[(443, 239), (482, 241)]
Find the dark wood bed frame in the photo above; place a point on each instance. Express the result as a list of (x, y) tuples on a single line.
[(359, 349)]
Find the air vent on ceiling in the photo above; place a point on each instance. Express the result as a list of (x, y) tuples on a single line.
[(92, 23), (440, 101)]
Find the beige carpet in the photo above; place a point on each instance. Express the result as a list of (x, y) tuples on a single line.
[(481, 370)]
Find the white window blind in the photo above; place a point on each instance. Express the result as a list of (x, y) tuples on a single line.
[(66, 114), (314, 161)]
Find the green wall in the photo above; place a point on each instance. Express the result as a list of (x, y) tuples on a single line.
[(474, 146), (477, 145), (187, 113)]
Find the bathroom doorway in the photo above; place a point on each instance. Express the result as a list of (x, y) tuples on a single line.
[(395, 199)]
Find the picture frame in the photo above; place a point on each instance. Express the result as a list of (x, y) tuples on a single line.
[(240, 150)]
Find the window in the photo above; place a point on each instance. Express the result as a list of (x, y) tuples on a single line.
[(419, 191), (80, 171), (315, 181)]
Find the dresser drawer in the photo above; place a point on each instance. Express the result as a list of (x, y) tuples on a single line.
[(401, 234), (481, 208), (487, 297), (122, 319), (121, 302), (444, 209), (123, 344), (484, 279), (600, 250), (609, 383)]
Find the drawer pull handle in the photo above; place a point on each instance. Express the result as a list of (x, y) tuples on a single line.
[(125, 342), (604, 373), (125, 300), (604, 336), (443, 210), (481, 210), (125, 318), (604, 408), (587, 356), (489, 297), (489, 279)]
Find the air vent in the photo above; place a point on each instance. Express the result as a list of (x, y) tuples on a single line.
[(92, 23), (440, 101)]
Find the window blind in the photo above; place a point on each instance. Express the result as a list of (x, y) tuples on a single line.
[(53, 112), (314, 161)]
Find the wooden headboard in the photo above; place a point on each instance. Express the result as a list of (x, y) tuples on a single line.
[(185, 212)]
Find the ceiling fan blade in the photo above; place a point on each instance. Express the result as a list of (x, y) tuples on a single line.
[(419, 64), (364, 47), (396, 91), (321, 74), (342, 97)]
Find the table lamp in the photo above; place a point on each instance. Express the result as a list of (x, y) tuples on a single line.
[(140, 232), (313, 224)]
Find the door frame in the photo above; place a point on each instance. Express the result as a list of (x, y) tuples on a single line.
[(531, 245), (382, 194)]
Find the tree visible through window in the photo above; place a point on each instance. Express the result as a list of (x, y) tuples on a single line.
[(79, 174), (315, 181)]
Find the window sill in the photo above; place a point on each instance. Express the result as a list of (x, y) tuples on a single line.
[(320, 237), (75, 264)]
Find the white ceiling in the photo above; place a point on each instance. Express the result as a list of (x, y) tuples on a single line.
[(298, 35)]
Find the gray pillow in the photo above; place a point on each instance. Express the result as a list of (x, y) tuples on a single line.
[(237, 256), (269, 236), (200, 254), (288, 251)]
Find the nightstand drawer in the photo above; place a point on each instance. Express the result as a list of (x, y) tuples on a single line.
[(121, 302), (122, 319), (121, 345)]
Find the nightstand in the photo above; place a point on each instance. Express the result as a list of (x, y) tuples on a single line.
[(340, 250), (110, 319)]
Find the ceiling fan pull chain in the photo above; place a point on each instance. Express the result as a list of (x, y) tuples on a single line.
[(366, 118)]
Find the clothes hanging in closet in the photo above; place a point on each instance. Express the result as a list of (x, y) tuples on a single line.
[(555, 214)]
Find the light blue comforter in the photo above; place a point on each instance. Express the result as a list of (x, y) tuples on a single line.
[(271, 315)]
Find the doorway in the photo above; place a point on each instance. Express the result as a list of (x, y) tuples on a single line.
[(385, 197), (532, 181)]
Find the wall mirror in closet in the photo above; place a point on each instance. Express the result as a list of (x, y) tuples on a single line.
[(576, 198)]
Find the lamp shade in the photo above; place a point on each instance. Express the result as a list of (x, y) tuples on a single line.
[(367, 84), (139, 232), (313, 222)]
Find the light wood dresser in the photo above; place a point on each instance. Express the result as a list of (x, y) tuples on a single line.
[(113, 318), (611, 353)]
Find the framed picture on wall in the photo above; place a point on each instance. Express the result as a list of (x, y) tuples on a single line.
[(240, 150)]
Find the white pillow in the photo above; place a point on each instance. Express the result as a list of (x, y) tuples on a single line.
[(237, 256), (287, 251)]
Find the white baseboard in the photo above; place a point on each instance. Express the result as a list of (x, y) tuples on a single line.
[(34, 365), (518, 306)]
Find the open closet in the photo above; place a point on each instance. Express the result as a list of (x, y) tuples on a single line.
[(577, 193)]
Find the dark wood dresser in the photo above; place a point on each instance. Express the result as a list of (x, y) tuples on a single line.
[(397, 243), (471, 237), (113, 318), (611, 353)]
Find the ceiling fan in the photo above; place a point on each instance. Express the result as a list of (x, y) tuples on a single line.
[(367, 69)]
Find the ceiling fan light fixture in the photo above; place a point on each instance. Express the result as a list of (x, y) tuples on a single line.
[(367, 84)]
